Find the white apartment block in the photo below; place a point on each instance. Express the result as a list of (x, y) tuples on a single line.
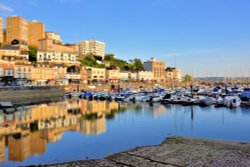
[(56, 57), (96, 48)]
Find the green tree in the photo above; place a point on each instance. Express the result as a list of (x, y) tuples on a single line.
[(138, 65), (188, 78), (32, 54), (109, 57), (91, 61)]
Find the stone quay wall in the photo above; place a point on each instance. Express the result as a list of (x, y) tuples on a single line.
[(30, 95)]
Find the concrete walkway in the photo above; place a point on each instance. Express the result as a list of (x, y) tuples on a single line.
[(176, 152)]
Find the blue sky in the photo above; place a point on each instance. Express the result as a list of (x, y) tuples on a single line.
[(202, 37)]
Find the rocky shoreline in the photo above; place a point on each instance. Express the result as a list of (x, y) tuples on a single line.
[(175, 152)]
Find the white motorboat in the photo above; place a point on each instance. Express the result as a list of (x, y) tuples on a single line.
[(232, 101)]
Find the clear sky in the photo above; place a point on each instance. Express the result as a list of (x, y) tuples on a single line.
[(201, 37)]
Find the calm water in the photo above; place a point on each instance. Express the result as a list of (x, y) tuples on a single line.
[(73, 130)]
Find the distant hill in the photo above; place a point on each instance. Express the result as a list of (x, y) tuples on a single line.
[(221, 78)]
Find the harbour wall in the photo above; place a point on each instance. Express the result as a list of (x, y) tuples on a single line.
[(30, 95)]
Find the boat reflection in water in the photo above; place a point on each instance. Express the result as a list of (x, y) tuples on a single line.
[(28, 131)]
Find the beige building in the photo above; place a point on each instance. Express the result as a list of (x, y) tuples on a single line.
[(96, 74), (113, 75), (54, 36), (96, 48), (125, 76), (36, 32), (51, 52), (173, 74), (16, 28), (157, 67), (40, 75), (17, 52), (1, 30), (47, 44), (22, 71), (145, 76), (21, 29)]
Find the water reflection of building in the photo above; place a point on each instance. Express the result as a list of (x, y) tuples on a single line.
[(158, 110), (28, 130), (95, 126), (19, 147), (2, 149), (38, 143)]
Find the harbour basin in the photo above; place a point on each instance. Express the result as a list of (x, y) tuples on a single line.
[(72, 130)]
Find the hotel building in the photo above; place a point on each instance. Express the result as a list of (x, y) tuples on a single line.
[(157, 67), (96, 48), (51, 52)]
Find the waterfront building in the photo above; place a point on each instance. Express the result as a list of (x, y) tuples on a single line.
[(22, 72), (132, 76), (1, 30), (96, 74), (93, 47), (126, 76), (59, 73), (36, 32), (157, 67), (16, 28), (84, 75), (112, 75), (41, 75), (173, 74), (145, 76), (18, 51), (6, 71)]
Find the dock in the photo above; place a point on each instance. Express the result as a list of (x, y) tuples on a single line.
[(176, 152)]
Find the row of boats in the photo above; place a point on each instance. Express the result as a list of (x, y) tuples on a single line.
[(218, 96)]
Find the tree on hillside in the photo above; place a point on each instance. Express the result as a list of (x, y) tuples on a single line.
[(90, 61), (32, 54), (138, 65), (109, 57)]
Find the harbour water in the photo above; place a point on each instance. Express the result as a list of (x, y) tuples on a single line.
[(78, 129)]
